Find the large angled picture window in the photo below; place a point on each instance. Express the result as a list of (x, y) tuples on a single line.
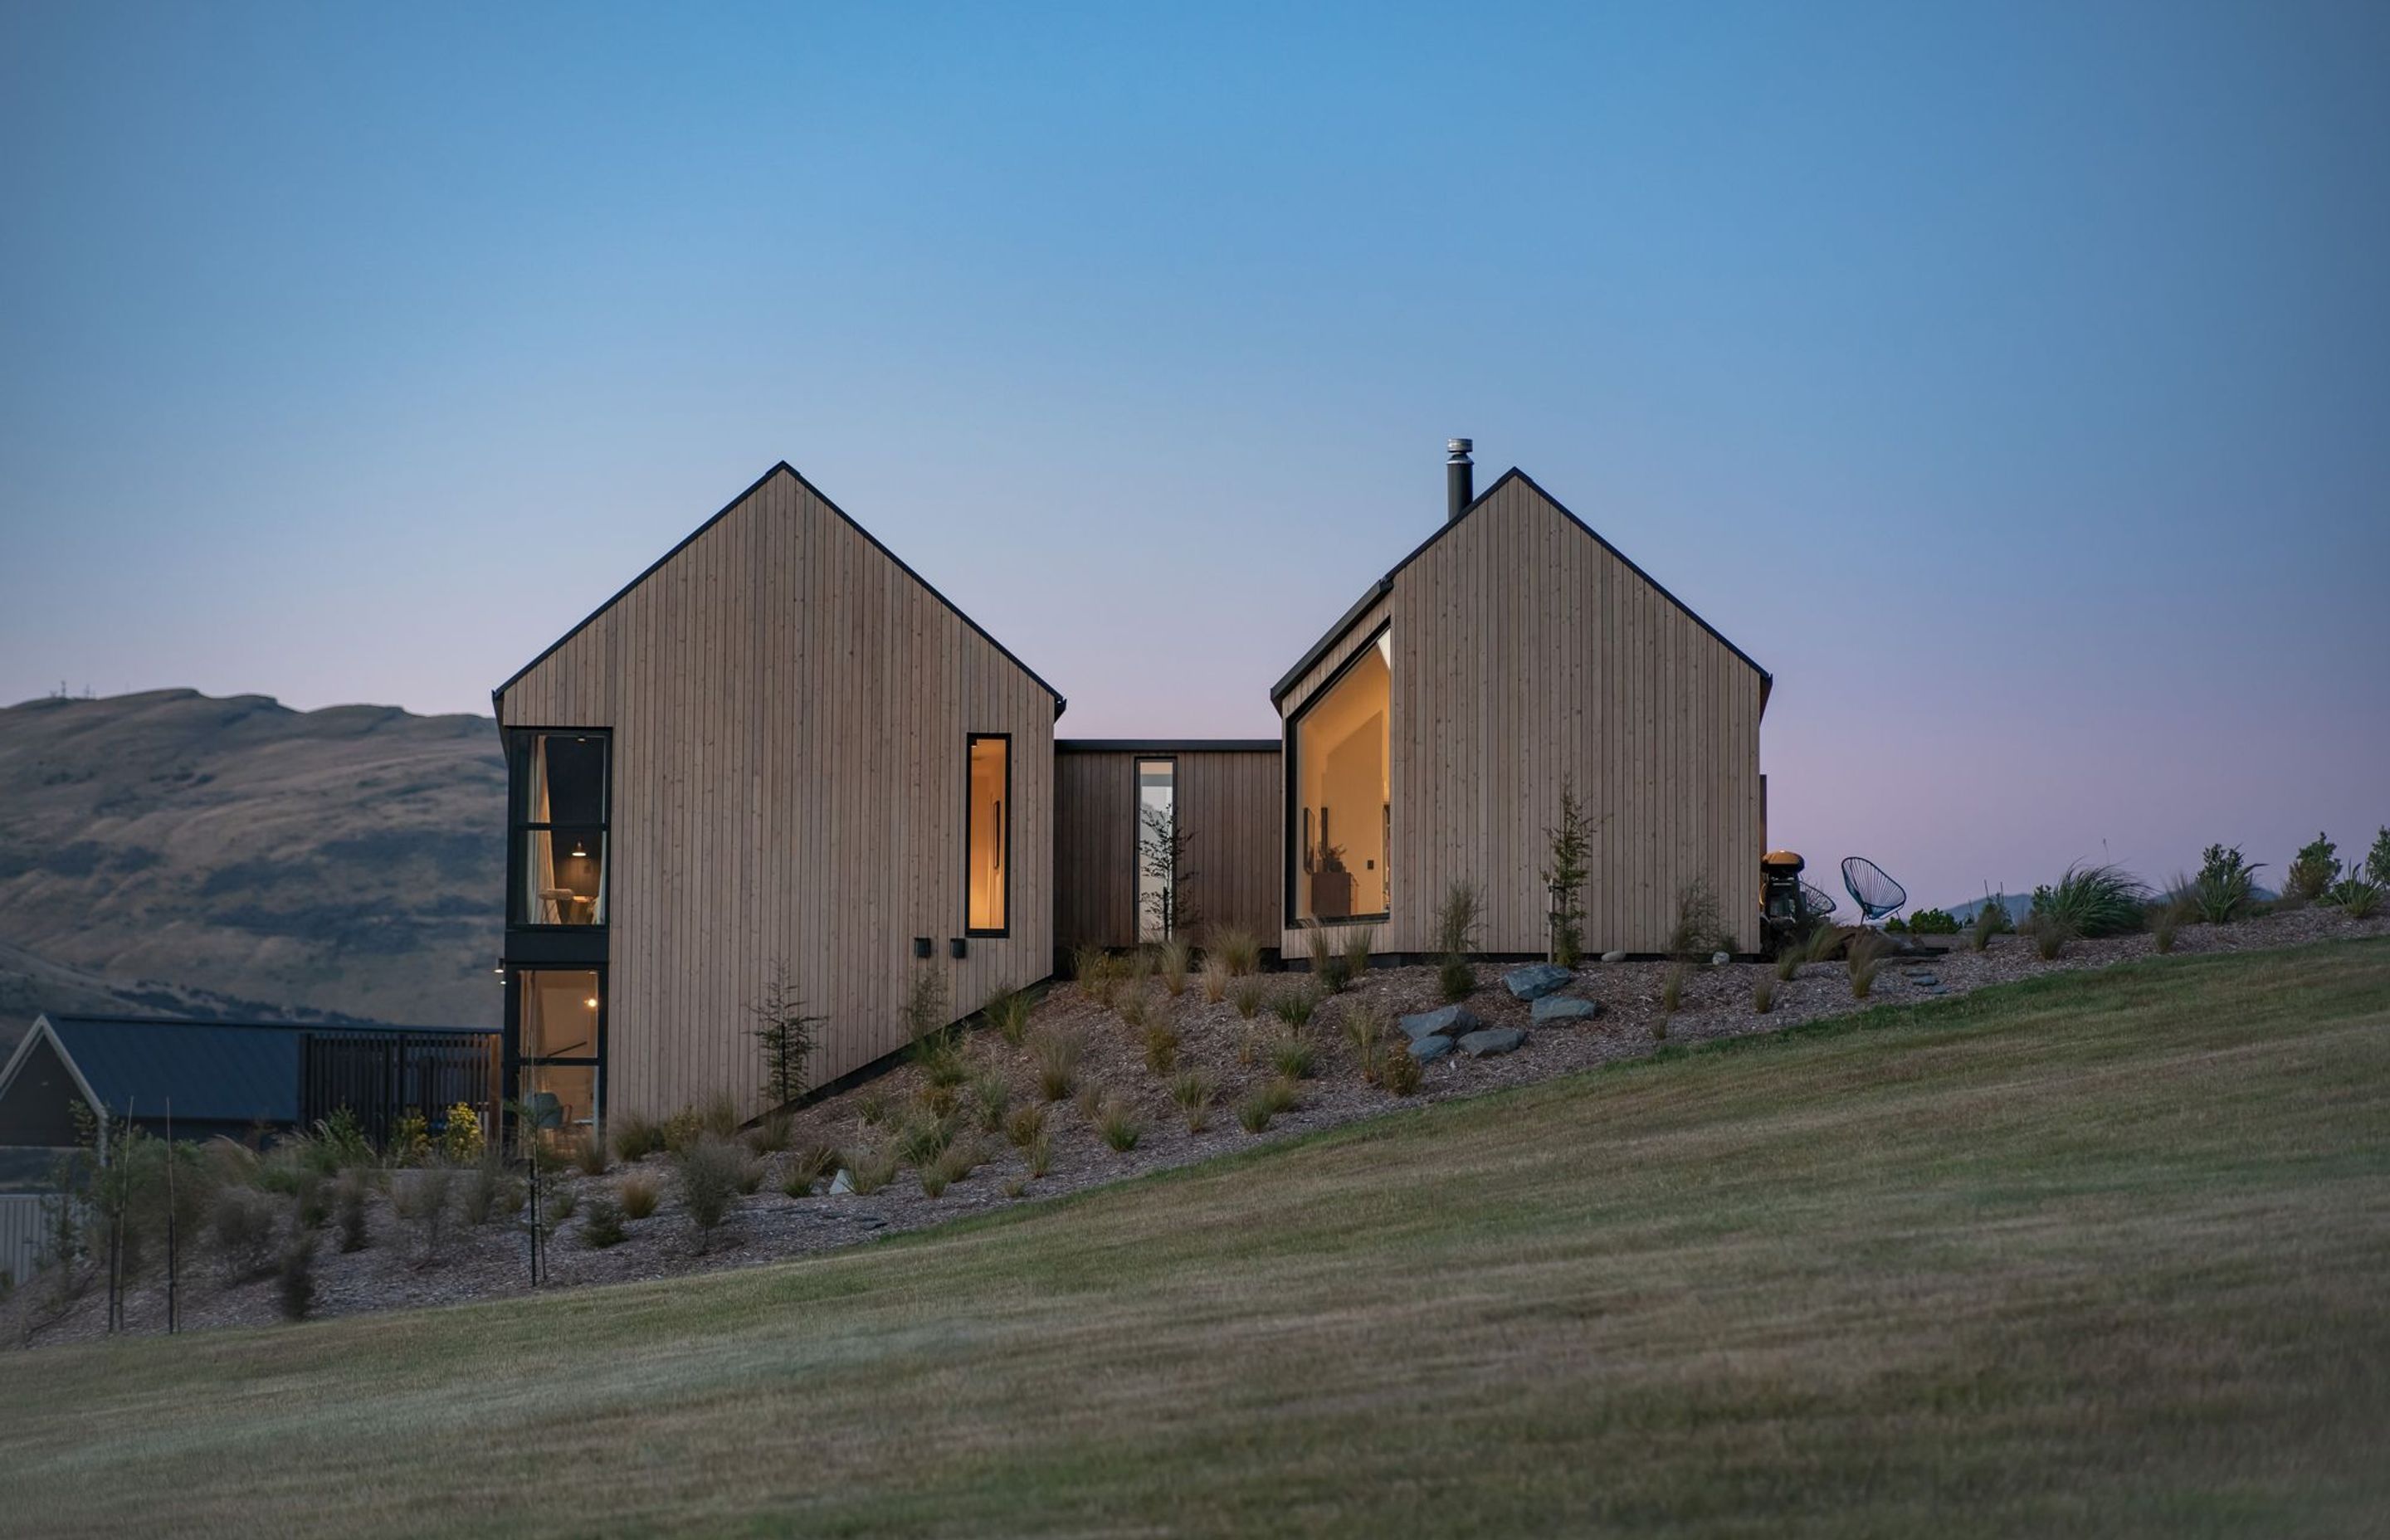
[(1342, 792)]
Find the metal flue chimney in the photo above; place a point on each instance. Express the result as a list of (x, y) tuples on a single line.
[(1459, 477)]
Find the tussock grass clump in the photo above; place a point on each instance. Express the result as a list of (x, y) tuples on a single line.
[(349, 1209), (1194, 1091), (1247, 993), (955, 1161), (1038, 1155), (590, 1154), (1367, 1031), (295, 1278), (1009, 1011), (2103, 899), (806, 1170), (871, 1109), (423, 1199), (2161, 928), (771, 1133), (1170, 960), (1161, 1049), (1458, 919), (1293, 1056), (1254, 1110), (1329, 973), (1671, 988), (1359, 942), (490, 1191), (2357, 897), (991, 1098), (1016, 1186), (1863, 955), (1295, 1007), (1989, 921), (2050, 935), (562, 1203), (1056, 1055), (243, 1222), (1025, 1126), (1236, 947), (1762, 996), (871, 1168), (1398, 1072), (1215, 979), (1134, 1008), (637, 1195), (923, 1139), (938, 1101), (708, 1175), (1117, 1122)]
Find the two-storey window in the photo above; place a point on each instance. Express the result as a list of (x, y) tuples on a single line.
[(560, 819), (987, 836)]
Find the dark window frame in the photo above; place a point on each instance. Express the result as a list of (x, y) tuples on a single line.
[(1136, 835), (1298, 814), (1004, 834), (519, 825), (511, 1058)]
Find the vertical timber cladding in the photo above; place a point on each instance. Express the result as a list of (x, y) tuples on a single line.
[(1525, 649), (1229, 801), (791, 709)]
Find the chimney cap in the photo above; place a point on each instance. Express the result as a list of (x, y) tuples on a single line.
[(1459, 448)]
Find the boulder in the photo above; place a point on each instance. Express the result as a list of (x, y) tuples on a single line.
[(1613, 956), (1450, 1022), (1492, 1040), (1566, 1008), (841, 1184), (1536, 980), (1719, 959), (1431, 1048)]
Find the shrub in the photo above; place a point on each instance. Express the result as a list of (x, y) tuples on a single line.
[(295, 1276), (2311, 871), (1236, 947), (422, 1200), (462, 1139), (1293, 1056), (991, 1097), (708, 1174), (1056, 1055), (1671, 988), (1565, 876), (1763, 996), (1247, 993), (1215, 979), (681, 1130), (1025, 1126), (349, 1209), (1457, 920), (925, 1005), (410, 1139), (1455, 979), (1008, 1013), (1398, 1072), (1170, 960), (243, 1222), (1161, 1049), (2377, 860), (1193, 1091), (2094, 901), (637, 1195), (601, 1222), (1895, 926), (490, 1191), (1933, 922), (1295, 1007), (1698, 932), (636, 1136), (1118, 1123)]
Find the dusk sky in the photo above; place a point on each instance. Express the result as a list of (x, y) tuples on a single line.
[(2012, 381)]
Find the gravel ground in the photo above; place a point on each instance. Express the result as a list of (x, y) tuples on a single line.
[(484, 1262)]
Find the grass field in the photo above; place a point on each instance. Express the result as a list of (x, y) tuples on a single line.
[(2103, 1253)]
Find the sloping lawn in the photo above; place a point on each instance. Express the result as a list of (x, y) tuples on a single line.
[(2103, 1253)]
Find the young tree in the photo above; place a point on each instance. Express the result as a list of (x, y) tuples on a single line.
[(784, 1035), (1162, 847), (1572, 845)]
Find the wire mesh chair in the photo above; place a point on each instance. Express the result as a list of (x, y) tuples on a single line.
[(1816, 902), (1871, 888)]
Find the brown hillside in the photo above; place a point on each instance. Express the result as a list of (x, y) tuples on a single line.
[(236, 852)]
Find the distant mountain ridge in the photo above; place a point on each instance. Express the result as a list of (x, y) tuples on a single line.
[(243, 859)]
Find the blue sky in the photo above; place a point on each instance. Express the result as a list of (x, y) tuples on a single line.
[(2013, 382)]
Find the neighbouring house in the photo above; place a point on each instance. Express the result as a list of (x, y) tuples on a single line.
[(780, 753), (235, 1078)]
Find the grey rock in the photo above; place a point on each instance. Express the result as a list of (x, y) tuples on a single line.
[(1494, 1040), (1566, 1008), (1719, 959), (1613, 956), (1536, 980), (1431, 1048), (1450, 1022), (841, 1184), (1928, 979)]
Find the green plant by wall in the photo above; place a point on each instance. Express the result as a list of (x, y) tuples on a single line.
[(784, 1035), (1565, 876), (1933, 922), (2315, 869)]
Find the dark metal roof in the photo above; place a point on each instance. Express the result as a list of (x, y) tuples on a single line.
[(216, 1071), (1166, 745), (1384, 584), (497, 696)]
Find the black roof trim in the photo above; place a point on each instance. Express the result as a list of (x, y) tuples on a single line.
[(1167, 746), (199, 1022), (1352, 617), (497, 696)]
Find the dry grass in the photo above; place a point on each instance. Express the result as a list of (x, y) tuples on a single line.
[(2097, 1254)]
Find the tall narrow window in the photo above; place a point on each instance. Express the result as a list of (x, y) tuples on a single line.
[(987, 836), (559, 1053), (1159, 882), (1339, 781), (559, 796)]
